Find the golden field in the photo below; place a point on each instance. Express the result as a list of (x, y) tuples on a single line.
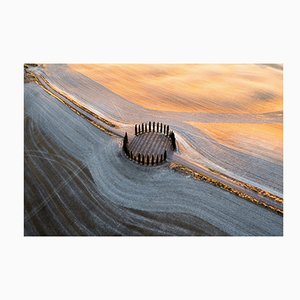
[(193, 87), (261, 139)]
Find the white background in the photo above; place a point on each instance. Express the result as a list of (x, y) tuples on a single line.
[(146, 32)]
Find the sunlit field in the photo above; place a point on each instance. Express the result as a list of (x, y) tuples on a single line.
[(193, 88), (265, 140)]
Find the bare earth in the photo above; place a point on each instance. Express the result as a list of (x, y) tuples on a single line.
[(263, 140), (193, 88)]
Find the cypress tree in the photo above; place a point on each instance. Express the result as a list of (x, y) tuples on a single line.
[(135, 129), (142, 127), (174, 139), (126, 138), (124, 144), (161, 158), (125, 147), (172, 135), (145, 127), (149, 126), (139, 129), (152, 160), (167, 130), (143, 159), (153, 126), (139, 158), (157, 159), (147, 159), (161, 127), (165, 155), (131, 156)]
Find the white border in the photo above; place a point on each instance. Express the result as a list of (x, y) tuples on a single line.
[(148, 32)]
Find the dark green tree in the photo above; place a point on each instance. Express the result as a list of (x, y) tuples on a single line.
[(167, 130), (148, 159), (125, 143), (173, 140), (152, 160), (135, 129), (124, 146), (165, 155), (149, 126)]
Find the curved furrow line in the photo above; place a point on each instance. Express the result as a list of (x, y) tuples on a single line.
[(124, 188)]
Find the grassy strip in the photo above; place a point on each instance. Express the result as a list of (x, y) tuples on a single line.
[(73, 109), (75, 102), (198, 176), (78, 104), (250, 187)]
